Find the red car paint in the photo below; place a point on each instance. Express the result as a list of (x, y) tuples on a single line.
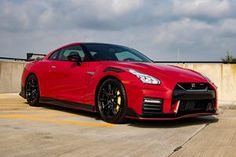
[(65, 80)]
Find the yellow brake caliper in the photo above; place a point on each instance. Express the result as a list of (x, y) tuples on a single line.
[(118, 101)]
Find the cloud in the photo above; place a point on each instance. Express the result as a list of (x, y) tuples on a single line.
[(183, 31), (125, 6), (203, 8), (227, 28), (197, 29)]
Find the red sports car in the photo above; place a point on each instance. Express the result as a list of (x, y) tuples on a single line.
[(118, 82)]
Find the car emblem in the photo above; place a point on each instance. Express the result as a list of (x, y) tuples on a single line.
[(193, 85)]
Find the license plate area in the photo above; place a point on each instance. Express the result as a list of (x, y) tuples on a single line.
[(191, 106)]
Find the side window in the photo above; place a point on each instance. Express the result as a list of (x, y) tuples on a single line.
[(72, 50), (54, 56)]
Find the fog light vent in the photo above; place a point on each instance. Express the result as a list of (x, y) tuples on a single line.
[(152, 106)]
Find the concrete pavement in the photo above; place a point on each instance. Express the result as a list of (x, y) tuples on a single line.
[(217, 139), (55, 131)]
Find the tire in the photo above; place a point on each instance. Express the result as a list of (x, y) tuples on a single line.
[(111, 101), (32, 91)]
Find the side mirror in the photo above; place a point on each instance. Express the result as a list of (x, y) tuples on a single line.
[(74, 58)]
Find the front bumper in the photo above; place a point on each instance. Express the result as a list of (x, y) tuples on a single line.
[(176, 104), (169, 116)]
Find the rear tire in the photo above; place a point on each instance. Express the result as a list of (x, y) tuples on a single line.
[(32, 91), (111, 101)]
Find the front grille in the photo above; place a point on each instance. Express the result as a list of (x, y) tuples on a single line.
[(192, 91), (152, 106), (193, 98), (191, 86)]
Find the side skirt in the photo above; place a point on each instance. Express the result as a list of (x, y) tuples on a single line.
[(67, 104)]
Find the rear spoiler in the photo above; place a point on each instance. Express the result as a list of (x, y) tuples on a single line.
[(34, 56)]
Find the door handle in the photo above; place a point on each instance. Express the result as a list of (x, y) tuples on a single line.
[(53, 66)]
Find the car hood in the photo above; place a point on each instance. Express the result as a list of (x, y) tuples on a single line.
[(166, 72)]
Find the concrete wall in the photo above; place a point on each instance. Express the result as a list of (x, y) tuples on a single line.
[(10, 76), (223, 75)]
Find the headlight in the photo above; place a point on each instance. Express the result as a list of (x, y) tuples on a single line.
[(145, 78)]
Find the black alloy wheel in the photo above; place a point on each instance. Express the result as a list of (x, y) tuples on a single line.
[(111, 101), (32, 90)]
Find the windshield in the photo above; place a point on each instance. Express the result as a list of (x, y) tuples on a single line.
[(104, 52)]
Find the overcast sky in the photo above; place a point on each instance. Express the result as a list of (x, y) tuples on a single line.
[(161, 29)]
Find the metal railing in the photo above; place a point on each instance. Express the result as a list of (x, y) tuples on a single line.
[(29, 56), (14, 59)]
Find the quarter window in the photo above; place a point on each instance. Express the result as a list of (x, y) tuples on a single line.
[(72, 50), (54, 56)]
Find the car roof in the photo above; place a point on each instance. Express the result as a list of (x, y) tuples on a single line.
[(76, 43)]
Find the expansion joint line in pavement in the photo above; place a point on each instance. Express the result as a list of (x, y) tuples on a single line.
[(195, 134)]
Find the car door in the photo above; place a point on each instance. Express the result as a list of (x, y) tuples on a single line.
[(68, 80)]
